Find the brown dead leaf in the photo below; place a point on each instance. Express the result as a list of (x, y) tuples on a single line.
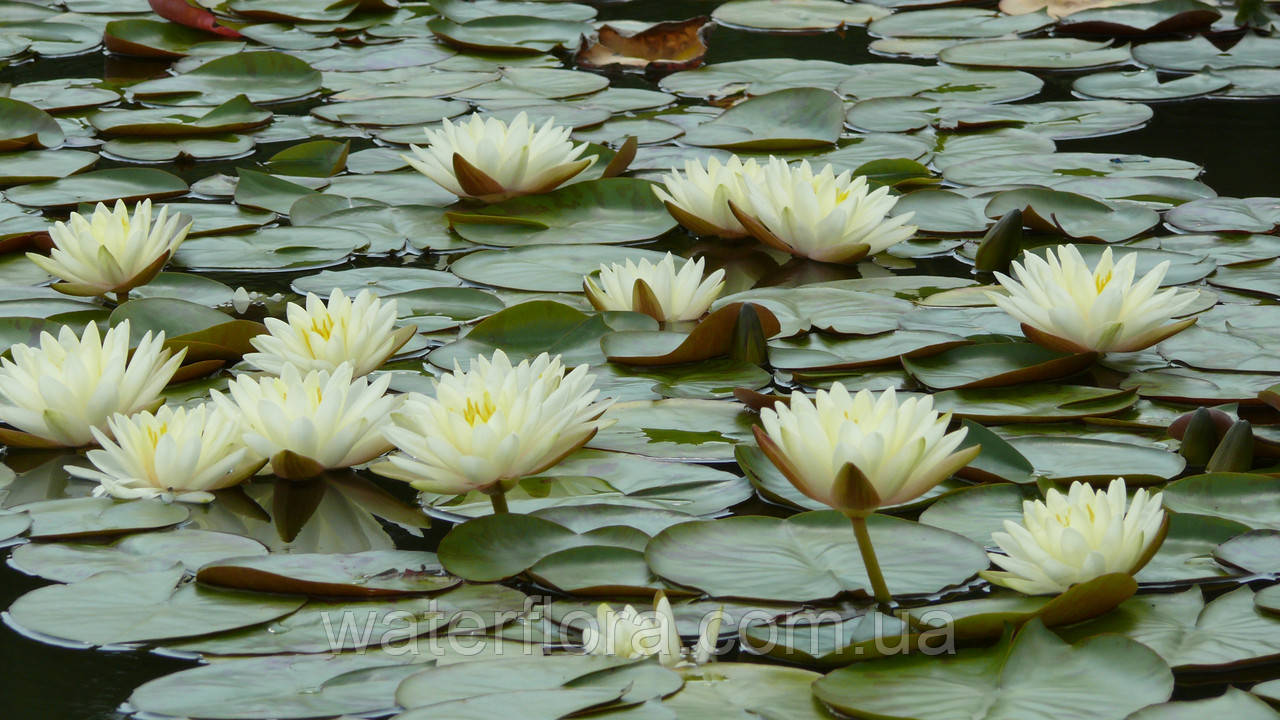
[(660, 49)]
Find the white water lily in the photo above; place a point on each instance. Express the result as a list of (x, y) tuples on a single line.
[(822, 216), (822, 446), (493, 424), (322, 336), (1073, 538), (111, 252), (699, 197), (630, 633), (309, 423), (180, 454), (68, 385), (487, 159), (1064, 305), (682, 295)]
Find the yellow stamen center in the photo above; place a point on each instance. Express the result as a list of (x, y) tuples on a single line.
[(481, 411), (1100, 281), (322, 326)]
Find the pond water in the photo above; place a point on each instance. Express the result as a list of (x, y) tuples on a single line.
[(1233, 140)]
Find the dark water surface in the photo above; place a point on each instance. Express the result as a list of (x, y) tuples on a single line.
[(1236, 141)]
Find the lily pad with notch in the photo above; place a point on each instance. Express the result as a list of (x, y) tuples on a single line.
[(378, 573)]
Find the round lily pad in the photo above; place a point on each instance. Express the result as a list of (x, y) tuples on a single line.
[(114, 607), (144, 552), (616, 210), (796, 14), (1029, 674), (1036, 53), (791, 119), (96, 186), (543, 268), (371, 574), (89, 516), (810, 556)]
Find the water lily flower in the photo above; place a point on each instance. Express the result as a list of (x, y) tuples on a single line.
[(322, 337), (824, 216), (699, 197), (656, 289), (1073, 538), (860, 453), (1063, 305), (179, 454), (68, 385), (630, 633), (111, 252), (489, 160), (490, 426), (310, 423)]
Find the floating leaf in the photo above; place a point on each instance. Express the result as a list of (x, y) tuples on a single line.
[(113, 607), (371, 574), (128, 184), (660, 48), (810, 556), (1029, 675), (790, 119)]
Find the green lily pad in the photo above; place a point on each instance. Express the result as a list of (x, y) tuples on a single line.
[(791, 119), (1034, 403), (818, 351), (111, 608), (27, 126), (756, 77), (391, 623), (1200, 54), (92, 516), (144, 37), (994, 365), (1233, 215), (383, 112), (807, 557), (1073, 215), (1257, 551), (1036, 53), (144, 552), (976, 512), (277, 77), (544, 268), (529, 329), (870, 635), (1052, 169), (95, 186), (957, 22), (1145, 85), (1192, 635), (279, 687), (204, 147), (29, 166), (1031, 674), (381, 280), (941, 83), (616, 210), (678, 428), (1253, 500), (496, 547), (369, 574), (1070, 459), (235, 115), (1236, 704), (603, 480), (745, 690), (796, 14), (510, 34), (1162, 17), (835, 307)]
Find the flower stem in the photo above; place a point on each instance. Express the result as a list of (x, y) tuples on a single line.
[(499, 500), (122, 296), (878, 587)]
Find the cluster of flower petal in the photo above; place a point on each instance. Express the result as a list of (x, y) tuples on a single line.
[(111, 252), (630, 633), (322, 336), (699, 197), (487, 159), (678, 295), (493, 424), (857, 453), (821, 216), (69, 385), (181, 454), (307, 423), (1064, 305), (1073, 538)]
